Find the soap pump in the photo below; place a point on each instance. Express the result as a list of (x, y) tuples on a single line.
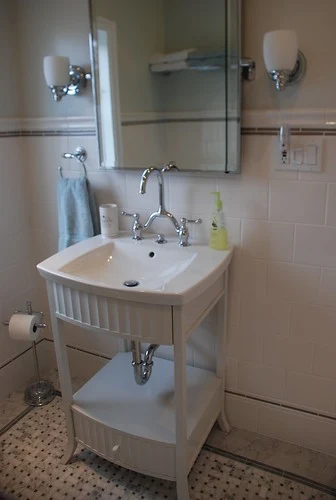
[(218, 232)]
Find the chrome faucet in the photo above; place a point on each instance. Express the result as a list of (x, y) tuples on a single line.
[(181, 229), (161, 211)]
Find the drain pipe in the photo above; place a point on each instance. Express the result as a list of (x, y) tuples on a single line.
[(142, 368)]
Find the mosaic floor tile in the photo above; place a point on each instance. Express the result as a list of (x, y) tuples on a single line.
[(30, 469), (296, 459)]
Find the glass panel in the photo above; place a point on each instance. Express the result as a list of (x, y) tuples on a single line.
[(233, 85), (177, 68)]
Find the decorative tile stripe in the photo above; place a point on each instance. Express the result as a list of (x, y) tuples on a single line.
[(231, 456), (273, 470), (284, 405), (128, 123), (30, 471), (19, 355), (294, 131), (91, 132), (17, 419), (12, 133), (233, 393), (50, 133), (80, 349)]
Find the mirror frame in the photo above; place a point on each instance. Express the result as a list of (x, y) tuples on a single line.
[(233, 124)]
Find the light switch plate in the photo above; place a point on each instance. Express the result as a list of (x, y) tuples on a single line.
[(302, 152), (312, 156)]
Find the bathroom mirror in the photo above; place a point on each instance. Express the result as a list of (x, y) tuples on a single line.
[(166, 78)]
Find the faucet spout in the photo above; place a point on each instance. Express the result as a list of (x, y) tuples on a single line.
[(143, 181), (161, 211)]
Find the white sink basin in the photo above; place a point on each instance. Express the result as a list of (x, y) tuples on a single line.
[(166, 274)]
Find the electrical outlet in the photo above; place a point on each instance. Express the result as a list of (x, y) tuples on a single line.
[(284, 139), (303, 155)]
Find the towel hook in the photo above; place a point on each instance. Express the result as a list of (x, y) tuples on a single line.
[(80, 155)]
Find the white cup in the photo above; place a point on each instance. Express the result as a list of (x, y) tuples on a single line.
[(109, 219)]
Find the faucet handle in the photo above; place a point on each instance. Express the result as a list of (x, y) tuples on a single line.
[(183, 232), (136, 216), (137, 227), (171, 165), (192, 221)]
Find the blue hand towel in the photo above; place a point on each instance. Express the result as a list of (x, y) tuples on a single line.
[(77, 212)]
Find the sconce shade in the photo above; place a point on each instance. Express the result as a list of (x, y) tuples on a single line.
[(56, 70), (280, 50)]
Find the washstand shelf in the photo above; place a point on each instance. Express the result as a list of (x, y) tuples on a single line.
[(158, 428)]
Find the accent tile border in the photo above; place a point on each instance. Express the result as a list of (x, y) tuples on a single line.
[(294, 131), (85, 351), (283, 405), (226, 454), (16, 419), (233, 393), (80, 349), (263, 122), (14, 358), (126, 123), (255, 131), (49, 133), (274, 470)]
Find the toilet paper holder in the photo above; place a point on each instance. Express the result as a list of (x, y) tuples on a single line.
[(37, 325), (41, 392), (29, 311)]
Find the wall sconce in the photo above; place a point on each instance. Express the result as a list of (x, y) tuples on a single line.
[(284, 62), (62, 78)]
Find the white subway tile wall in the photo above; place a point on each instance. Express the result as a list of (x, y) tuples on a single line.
[(297, 201), (282, 323), (311, 391), (331, 205), (17, 274)]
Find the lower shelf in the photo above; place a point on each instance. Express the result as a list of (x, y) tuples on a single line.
[(134, 425)]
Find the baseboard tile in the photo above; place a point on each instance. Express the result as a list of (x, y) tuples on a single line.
[(293, 426), (273, 470), (313, 431)]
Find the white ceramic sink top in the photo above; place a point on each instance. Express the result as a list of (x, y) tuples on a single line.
[(167, 274)]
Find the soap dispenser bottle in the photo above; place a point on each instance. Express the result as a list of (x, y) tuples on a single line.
[(218, 231)]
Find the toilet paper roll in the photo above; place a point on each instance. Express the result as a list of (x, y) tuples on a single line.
[(109, 219), (22, 327)]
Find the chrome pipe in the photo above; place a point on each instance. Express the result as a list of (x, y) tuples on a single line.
[(150, 353), (137, 362), (36, 364), (142, 368)]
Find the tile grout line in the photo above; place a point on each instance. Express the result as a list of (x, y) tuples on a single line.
[(90, 132), (294, 242), (16, 419), (284, 405), (326, 204), (269, 468), (245, 395), (51, 341), (231, 456), (19, 355)]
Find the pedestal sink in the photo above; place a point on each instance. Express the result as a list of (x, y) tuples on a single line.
[(159, 428), (167, 274)]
